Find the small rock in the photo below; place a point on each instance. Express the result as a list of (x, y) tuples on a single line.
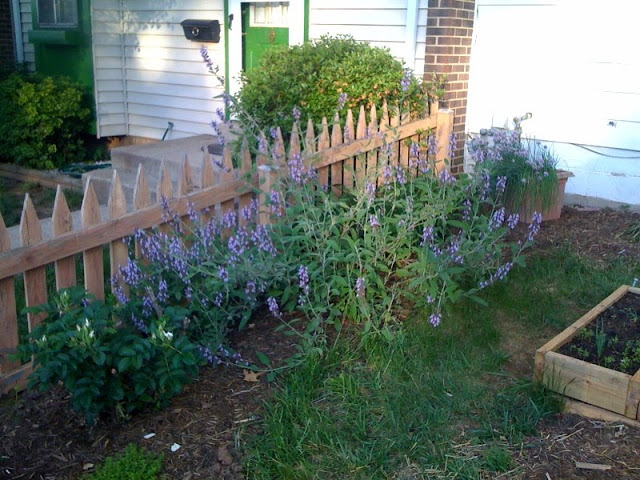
[(224, 457), (175, 447)]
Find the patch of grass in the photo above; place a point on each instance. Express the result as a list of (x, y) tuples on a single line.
[(133, 464), (553, 287), (433, 403), (367, 412), (12, 199)]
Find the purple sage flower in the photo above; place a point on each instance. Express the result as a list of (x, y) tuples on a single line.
[(342, 99), (273, 307)]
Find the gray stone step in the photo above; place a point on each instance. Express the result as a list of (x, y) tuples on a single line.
[(126, 160)]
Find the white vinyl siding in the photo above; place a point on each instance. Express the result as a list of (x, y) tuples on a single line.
[(27, 25), (148, 74), (382, 23)]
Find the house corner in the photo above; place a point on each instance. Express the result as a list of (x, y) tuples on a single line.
[(448, 51)]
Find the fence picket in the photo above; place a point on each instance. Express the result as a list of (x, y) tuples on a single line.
[(92, 258), (336, 168), (361, 133), (245, 172), (324, 143), (349, 163), (118, 250), (165, 189), (207, 180), (278, 148), (372, 156), (310, 138), (384, 121), (8, 315), (226, 175), (35, 280), (444, 130), (61, 223), (141, 197), (185, 184)]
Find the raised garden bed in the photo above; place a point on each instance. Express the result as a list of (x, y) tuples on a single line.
[(558, 369)]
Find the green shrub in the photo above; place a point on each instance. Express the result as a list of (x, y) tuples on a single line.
[(133, 464), (43, 119), (313, 76), (106, 363)]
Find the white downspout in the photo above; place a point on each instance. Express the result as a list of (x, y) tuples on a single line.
[(17, 30), (411, 34)]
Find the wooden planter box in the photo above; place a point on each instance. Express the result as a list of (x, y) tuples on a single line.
[(554, 210), (608, 389)]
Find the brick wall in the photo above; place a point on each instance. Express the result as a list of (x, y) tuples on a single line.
[(7, 50), (448, 50)]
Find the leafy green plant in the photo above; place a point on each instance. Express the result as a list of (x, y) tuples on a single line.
[(134, 463), (105, 363), (600, 338), (320, 77), (43, 121)]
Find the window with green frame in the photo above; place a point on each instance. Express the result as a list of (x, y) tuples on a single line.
[(58, 13)]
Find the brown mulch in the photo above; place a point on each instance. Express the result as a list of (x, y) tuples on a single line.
[(41, 438)]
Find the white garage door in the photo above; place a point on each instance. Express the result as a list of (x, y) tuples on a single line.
[(575, 66)]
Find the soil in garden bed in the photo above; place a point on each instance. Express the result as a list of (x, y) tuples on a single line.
[(612, 340)]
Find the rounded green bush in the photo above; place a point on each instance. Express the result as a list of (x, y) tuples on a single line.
[(43, 120), (313, 76)]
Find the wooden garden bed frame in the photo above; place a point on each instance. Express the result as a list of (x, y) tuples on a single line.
[(605, 388)]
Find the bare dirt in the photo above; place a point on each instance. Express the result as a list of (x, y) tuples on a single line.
[(41, 438)]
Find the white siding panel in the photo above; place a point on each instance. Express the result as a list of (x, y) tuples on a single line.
[(109, 108), (382, 23), (113, 120), (141, 52), (361, 4), (382, 17), (363, 33), (179, 80), (111, 97), (172, 114), (185, 103), (174, 91)]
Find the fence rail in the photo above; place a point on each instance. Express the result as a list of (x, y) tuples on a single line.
[(339, 157)]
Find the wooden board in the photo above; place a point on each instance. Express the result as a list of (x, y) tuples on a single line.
[(586, 382)]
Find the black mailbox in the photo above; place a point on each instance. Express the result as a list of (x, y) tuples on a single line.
[(201, 30)]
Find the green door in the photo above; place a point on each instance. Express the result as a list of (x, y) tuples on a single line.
[(263, 27), (61, 36)]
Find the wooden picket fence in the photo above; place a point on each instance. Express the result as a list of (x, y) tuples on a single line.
[(339, 157)]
